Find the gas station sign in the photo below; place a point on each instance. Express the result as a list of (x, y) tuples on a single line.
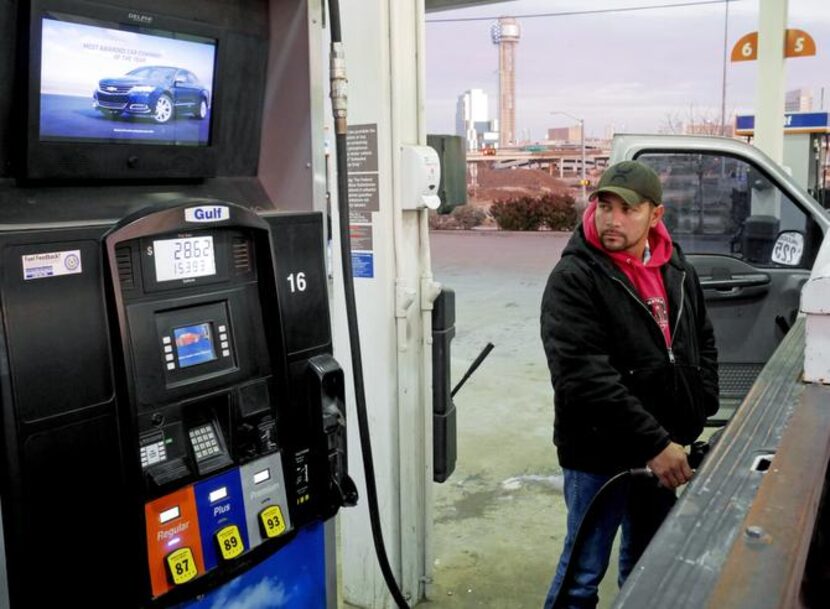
[(798, 43), (794, 122)]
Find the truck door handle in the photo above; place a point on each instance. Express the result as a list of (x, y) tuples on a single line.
[(750, 284)]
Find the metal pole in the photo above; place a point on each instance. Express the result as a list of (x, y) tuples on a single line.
[(723, 76), (582, 140), (581, 122)]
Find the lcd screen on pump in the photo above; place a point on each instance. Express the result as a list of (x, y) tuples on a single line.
[(194, 345), (184, 258), (115, 83)]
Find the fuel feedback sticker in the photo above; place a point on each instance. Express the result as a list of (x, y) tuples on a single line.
[(51, 264)]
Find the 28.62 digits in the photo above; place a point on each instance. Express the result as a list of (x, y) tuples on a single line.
[(192, 256)]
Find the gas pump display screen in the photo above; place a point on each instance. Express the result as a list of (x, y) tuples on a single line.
[(194, 345), (184, 258)]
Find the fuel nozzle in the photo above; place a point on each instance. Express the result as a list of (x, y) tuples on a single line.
[(697, 453), (345, 490)]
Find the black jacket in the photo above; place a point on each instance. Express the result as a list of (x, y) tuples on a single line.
[(620, 394)]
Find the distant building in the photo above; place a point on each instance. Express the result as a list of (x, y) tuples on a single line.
[(472, 120), (567, 135), (506, 34), (798, 100), (472, 108)]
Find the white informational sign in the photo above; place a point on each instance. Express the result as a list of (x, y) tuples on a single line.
[(51, 264)]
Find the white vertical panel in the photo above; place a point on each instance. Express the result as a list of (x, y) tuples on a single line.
[(769, 112), (383, 53), (815, 302)]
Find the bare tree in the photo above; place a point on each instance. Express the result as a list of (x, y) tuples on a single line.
[(697, 122)]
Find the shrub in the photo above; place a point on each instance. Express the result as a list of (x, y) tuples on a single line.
[(440, 221), (462, 217), (559, 212), (517, 214), (551, 211), (468, 216)]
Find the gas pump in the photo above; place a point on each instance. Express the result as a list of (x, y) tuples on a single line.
[(203, 426), (172, 419), (231, 460)]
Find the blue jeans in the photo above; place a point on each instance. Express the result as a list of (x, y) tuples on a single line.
[(639, 505)]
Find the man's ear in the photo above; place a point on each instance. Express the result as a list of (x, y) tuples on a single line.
[(657, 212)]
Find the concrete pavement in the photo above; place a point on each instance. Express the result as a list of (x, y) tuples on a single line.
[(500, 518)]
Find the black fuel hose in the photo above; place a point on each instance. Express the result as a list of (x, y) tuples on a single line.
[(695, 458), (339, 111), (587, 523)]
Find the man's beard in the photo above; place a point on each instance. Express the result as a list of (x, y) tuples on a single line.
[(620, 242)]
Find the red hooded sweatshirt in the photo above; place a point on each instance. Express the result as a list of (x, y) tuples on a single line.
[(645, 277)]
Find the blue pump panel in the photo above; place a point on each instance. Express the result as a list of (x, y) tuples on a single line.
[(220, 504), (295, 576)]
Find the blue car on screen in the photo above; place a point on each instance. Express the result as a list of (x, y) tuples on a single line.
[(156, 92)]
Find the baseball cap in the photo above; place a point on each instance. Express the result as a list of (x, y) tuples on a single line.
[(633, 181)]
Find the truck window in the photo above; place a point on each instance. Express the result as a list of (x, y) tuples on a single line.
[(717, 204)]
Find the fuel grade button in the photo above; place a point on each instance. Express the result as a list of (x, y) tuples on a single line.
[(181, 566), (230, 542), (273, 524)]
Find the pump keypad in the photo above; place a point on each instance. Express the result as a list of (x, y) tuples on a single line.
[(224, 343), (204, 441), (169, 359), (181, 566), (153, 453)]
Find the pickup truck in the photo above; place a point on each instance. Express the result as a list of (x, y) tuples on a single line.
[(751, 530)]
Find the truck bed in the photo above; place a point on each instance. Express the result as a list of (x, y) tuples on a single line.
[(741, 531)]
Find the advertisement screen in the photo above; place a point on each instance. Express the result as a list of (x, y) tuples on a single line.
[(108, 83), (194, 345)]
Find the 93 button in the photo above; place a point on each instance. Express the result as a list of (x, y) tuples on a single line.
[(272, 521)]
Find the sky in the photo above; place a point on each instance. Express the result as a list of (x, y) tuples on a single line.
[(627, 71)]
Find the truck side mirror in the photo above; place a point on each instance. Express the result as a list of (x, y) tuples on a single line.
[(788, 248)]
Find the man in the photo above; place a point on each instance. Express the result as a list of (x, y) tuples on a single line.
[(633, 364)]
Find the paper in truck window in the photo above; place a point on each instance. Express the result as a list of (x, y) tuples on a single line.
[(788, 248)]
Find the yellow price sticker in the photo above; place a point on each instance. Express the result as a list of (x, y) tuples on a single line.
[(272, 521), (181, 565), (230, 542)]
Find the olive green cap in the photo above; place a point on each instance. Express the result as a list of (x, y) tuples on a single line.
[(634, 181)]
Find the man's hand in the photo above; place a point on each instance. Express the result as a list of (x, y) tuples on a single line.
[(671, 466)]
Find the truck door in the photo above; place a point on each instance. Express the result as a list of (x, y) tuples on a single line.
[(752, 236)]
